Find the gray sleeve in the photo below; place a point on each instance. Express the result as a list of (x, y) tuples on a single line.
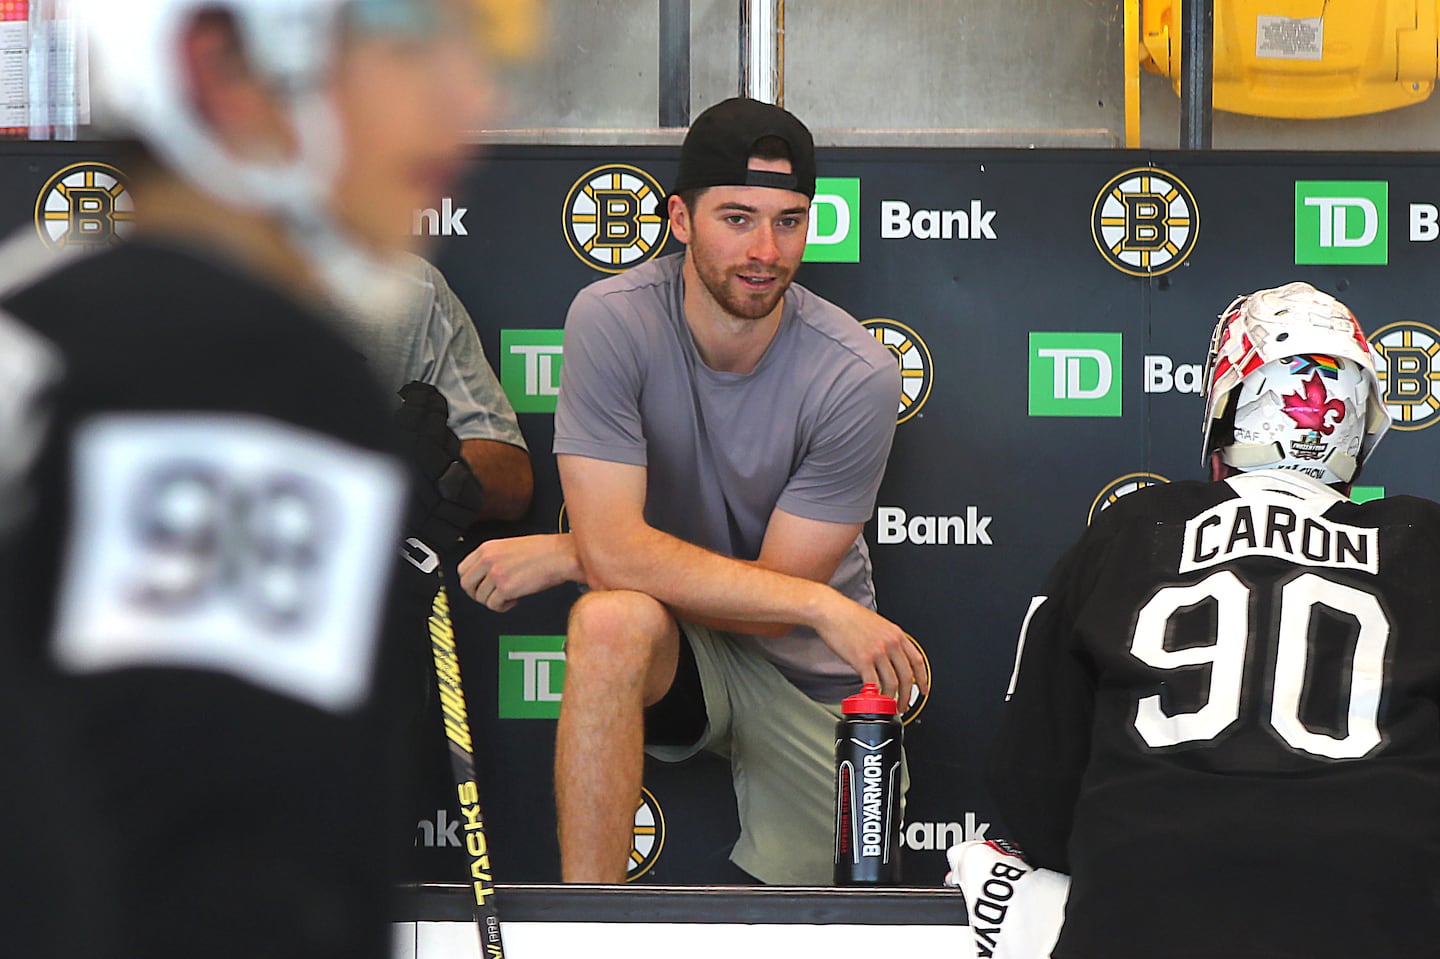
[(457, 367), (839, 475), (598, 411)]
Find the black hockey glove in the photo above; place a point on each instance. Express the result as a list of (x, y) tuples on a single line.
[(449, 496)]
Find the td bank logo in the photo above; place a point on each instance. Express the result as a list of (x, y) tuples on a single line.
[(834, 232), (532, 673), (1075, 374), (1364, 494), (942, 835), (1342, 221), (530, 368)]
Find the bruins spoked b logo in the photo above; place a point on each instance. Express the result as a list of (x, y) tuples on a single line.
[(917, 371), (1120, 486), (84, 205), (1407, 361), (1145, 222), (917, 698), (648, 838), (615, 217)]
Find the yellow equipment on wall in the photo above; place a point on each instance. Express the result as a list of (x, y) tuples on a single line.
[(1304, 59), (510, 28)]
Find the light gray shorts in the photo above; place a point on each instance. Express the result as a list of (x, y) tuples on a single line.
[(781, 747)]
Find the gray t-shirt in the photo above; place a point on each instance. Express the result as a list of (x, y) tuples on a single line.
[(432, 339), (807, 431)]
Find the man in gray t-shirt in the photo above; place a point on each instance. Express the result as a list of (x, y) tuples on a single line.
[(723, 450), (721, 435)]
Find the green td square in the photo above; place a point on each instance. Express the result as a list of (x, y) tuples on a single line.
[(834, 233), (532, 674), (530, 368), (1364, 494), (1342, 221), (1075, 374)]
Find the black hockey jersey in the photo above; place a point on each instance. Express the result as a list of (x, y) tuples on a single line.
[(192, 596), (1224, 724)]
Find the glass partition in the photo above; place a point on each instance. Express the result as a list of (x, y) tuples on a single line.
[(1016, 73)]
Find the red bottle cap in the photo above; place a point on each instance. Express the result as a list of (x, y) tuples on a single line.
[(869, 700)]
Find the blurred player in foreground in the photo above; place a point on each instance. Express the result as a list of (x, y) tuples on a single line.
[(200, 506), (1224, 722)]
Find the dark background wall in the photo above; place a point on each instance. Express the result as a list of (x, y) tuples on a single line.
[(984, 437)]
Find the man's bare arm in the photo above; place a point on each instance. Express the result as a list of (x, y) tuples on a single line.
[(505, 475), (617, 549), (807, 548)]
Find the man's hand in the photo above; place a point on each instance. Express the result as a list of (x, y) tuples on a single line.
[(876, 648), (499, 572)]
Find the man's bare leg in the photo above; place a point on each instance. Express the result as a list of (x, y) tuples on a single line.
[(621, 651)]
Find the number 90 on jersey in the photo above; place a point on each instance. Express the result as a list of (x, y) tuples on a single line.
[(1299, 601)]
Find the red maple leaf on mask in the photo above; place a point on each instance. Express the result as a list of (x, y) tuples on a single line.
[(1311, 410)]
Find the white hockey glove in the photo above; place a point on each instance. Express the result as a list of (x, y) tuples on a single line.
[(1015, 910)]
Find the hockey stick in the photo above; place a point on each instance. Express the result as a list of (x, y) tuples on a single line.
[(462, 753)]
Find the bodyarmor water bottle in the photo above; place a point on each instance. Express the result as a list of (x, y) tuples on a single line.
[(867, 790)]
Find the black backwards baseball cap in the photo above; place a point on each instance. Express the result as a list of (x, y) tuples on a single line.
[(717, 150)]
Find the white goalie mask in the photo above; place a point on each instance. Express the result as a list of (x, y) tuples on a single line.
[(1291, 369)]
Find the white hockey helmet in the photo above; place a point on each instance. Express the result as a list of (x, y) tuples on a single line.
[(290, 44), (1291, 370), (139, 86)]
